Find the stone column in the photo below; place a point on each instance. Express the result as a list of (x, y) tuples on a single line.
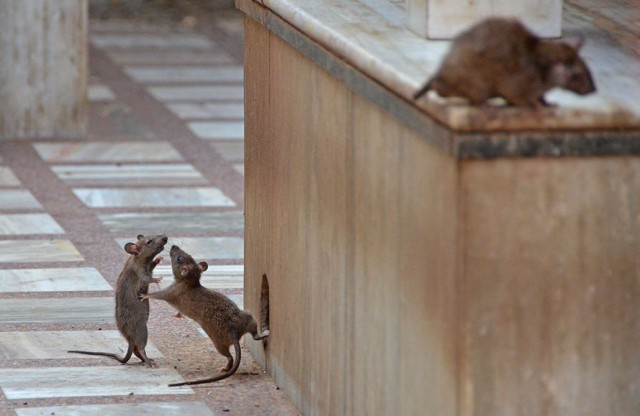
[(43, 69)]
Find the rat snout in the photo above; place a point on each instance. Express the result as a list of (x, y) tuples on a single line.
[(164, 239), (174, 247)]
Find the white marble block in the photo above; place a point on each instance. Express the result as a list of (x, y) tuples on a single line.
[(444, 19)]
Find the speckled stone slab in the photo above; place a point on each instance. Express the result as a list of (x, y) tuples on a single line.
[(120, 380), (130, 174), (215, 277), (197, 93), (174, 222), (123, 409), (107, 152), (17, 199), (40, 345), (7, 178), (169, 56), (52, 280), (204, 248), (100, 93), (187, 111), (22, 224), (229, 130), (12, 251), (153, 197), (174, 40), (57, 310), (178, 74)]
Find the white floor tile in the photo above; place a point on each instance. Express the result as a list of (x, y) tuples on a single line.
[(31, 251), (18, 199), (137, 40), (215, 277), (129, 174), (120, 380), (108, 152), (43, 345), (197, 93), (204, 248), (169, 57), (174, 222), (122, 409), (7, 178), (177, 74), (154, 197), (98, 93), (187, 111), (57, 310), (52, 280), (24, 224), (239, 167), (218, 130), (231, 150)]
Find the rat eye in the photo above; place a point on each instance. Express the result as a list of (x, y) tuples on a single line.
[(149, 241), (179, 259)]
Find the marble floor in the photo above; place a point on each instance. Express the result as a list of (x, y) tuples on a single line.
[(164, 154)]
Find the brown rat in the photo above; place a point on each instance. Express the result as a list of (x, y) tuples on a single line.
[(131, 314), (220, 318), (499, 57)]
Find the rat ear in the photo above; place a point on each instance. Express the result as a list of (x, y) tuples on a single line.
[(184, 271), (131, 248), (203, 266), (140, 236), (575, 42)]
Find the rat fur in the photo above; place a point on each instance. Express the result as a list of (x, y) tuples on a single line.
[(220, 318), (131, 315), (500, 57)]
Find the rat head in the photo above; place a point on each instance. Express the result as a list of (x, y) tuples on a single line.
[(184, 266), (146, 248), (566, 69)]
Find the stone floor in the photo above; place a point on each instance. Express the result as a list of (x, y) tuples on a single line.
[(164, 154)]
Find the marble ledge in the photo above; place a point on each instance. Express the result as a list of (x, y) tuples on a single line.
[(370, 37)]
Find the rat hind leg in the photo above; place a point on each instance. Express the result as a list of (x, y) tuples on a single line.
[(142, 355), (139, 345), (224, 350)]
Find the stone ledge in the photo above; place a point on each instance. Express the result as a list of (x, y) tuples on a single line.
[(377, 58)]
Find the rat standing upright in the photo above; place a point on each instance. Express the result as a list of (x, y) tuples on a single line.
[(220, 318), (499, 57), (134, 280)]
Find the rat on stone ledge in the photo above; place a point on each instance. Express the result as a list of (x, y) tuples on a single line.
[(500, 57)]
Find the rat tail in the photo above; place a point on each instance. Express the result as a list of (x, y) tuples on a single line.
[(122, 360), (231, 372), (426, 87)]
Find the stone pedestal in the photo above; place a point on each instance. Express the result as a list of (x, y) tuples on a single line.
[(430, 258), (43, 70)]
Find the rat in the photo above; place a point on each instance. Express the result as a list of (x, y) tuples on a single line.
[(500, 57), (220, 318), (134, 280)]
